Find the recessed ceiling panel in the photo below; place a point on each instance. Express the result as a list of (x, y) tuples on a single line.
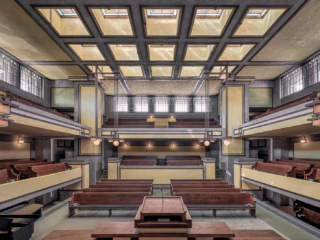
[(161, 21), (113, 21), (235, 52), (161, 71), (298, 39), (161, 52), (131, 71), (263, 72), (210, 21), (109, 86), (191, 71), (175, 87), (124, 52), (213, 88), (199, 52), (58, 72), (22, 37), (87, 52), (258, 21), (65, 21)]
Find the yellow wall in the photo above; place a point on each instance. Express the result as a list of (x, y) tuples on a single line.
[(307, 150), (14, 150), (162, 151), (19, 188), (299, 186), (113, 170), (210, 170), (238, 183), (162, 176)]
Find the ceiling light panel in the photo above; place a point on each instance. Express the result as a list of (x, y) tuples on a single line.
[(161, 21), (258, 21), (65, 21), (131, 71), (235, 52), (113, 21), (198, 52), (210, 21), (161, 52), (87, 52), (161, 71), (124, 52), (191, 71)]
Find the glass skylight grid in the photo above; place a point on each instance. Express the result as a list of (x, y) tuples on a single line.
[(257, 13), (209, 13), (115, 12), (162, 13), (67, 12)]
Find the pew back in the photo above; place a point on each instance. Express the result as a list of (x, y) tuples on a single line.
[(41, 170), (6, 175), (283, 170)]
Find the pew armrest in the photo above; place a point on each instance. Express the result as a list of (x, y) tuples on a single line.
[(311, 174)]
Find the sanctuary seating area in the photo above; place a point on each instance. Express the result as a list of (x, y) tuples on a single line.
[(212, 195), (308, 169), (14, 170), (183, 160), (194, 123), (287, 105), (33, 104), (111, 195), (139, 160), (307, 213)]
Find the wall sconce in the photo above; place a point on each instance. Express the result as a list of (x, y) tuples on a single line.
[(227, 141), (20, 140), (96, 141), (303, 140)]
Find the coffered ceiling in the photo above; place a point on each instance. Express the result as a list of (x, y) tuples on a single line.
[(161, 47)]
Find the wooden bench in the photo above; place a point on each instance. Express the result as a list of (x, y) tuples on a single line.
[(8, 175), (192, 181), (41, 170), (7, 164), (22, 169), (105, 200), (150, 181), (313, 174), (283, 170), (301, 168), (184, 162), (314, 162), (19, 221), (147, 190), (137, 162), (219, 201), (256, 235), (201, 184), (135, 157), (204, 190), (115, 185), (309, 216)]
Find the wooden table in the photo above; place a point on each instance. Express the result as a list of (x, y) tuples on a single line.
[(127, 230)]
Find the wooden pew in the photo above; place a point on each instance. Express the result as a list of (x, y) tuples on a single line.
[(105, 200), (115, 185), (150, 181), (314, 162), (6, 175), (283, 170), (137, 162), (200, 185), (256, 235), (191, 181), (301, 168), (133, 189), (22, 169), (287, 105), (313, 174), (219, 201), (204, 190), (309, 216), (184, 162), (7, 164), (41, 170)]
